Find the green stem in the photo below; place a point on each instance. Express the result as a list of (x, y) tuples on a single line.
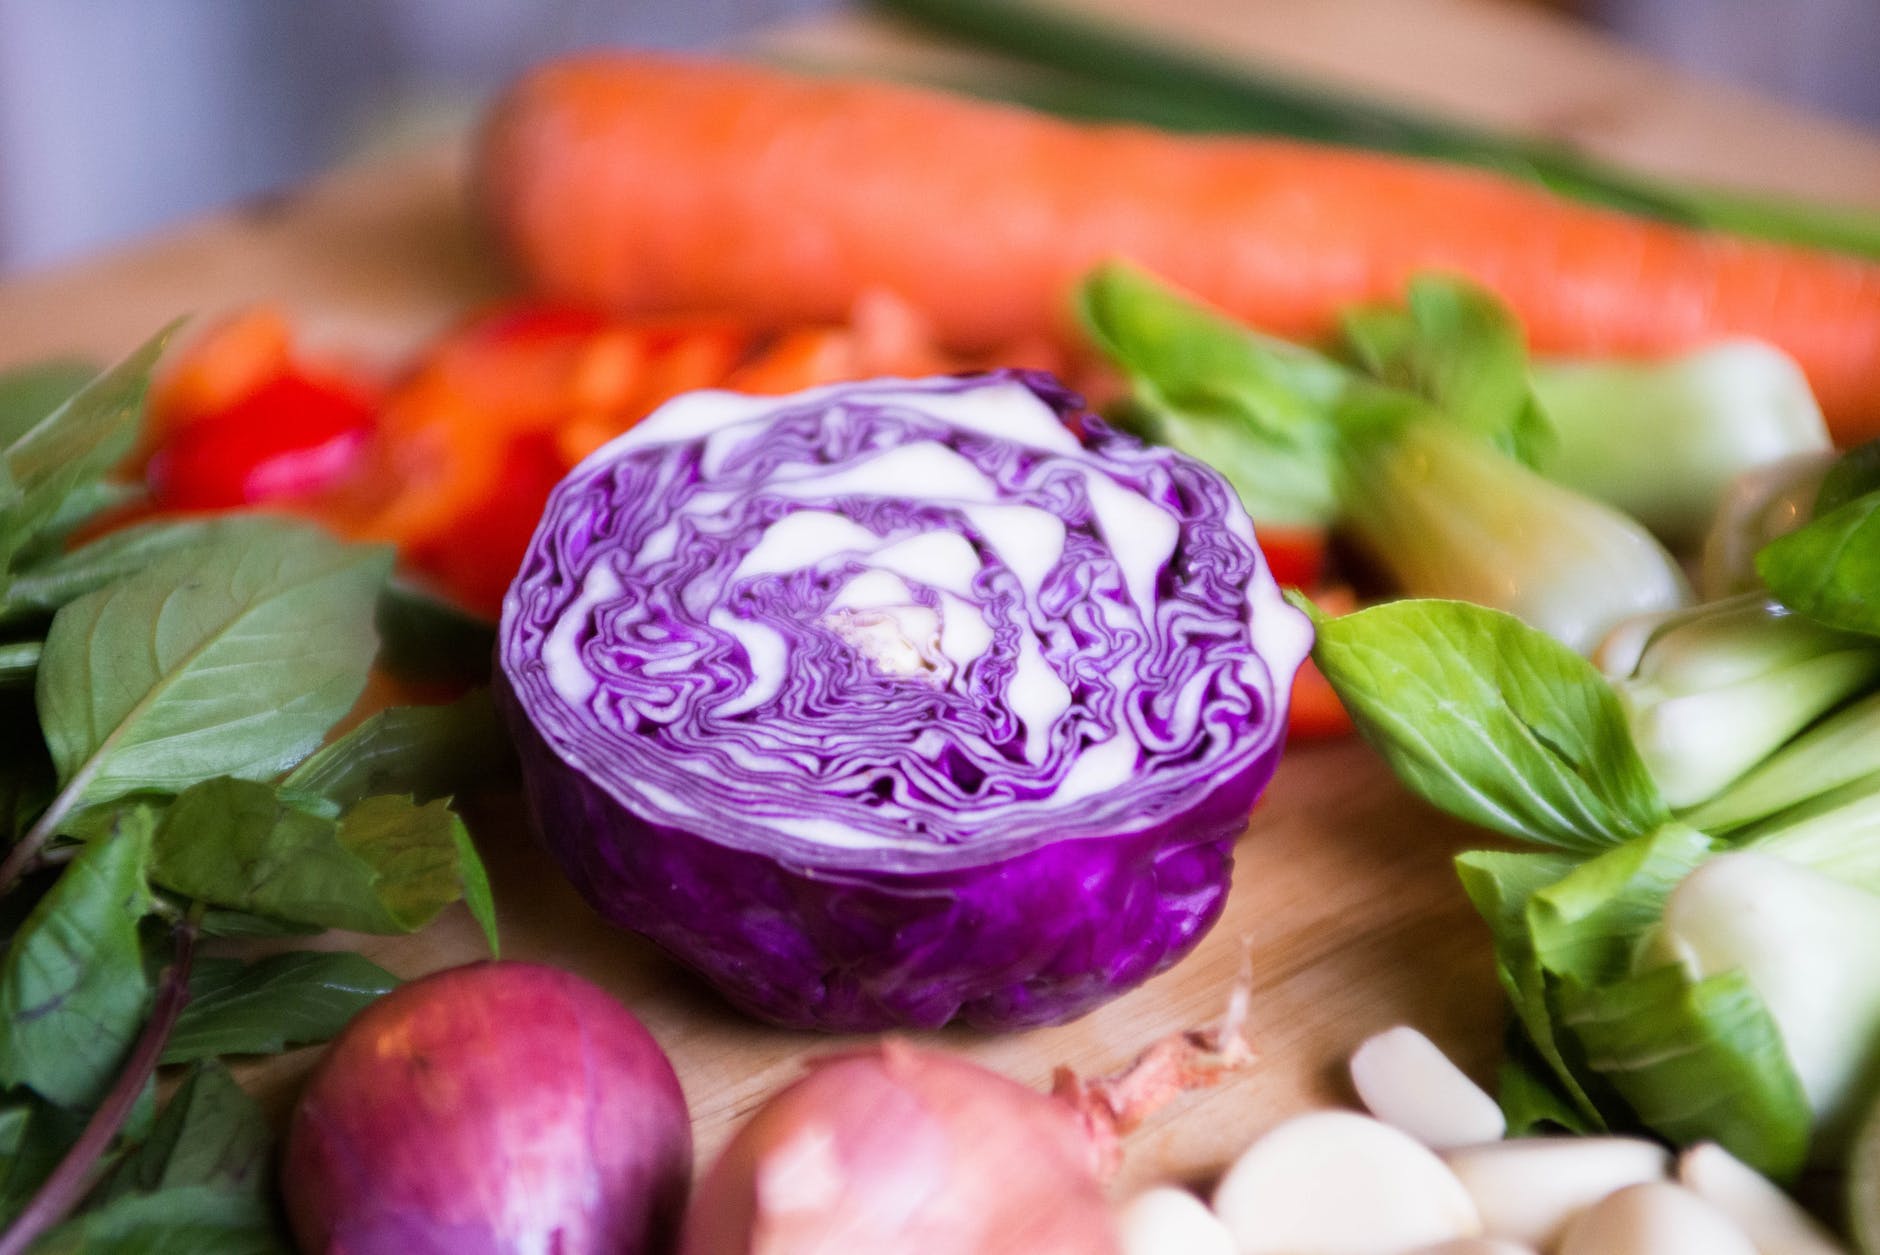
[(63, 1190), (1107, 71), (24, 855)]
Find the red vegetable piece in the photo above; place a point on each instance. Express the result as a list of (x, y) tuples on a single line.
[(1295, 555), (1316, 713), (288, 438)]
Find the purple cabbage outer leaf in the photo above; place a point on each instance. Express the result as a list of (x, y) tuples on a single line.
[(899, 702)]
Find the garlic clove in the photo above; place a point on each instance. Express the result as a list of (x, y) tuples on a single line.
[(1527, 1189), (1164, 1220), (1656, 1218), (1338, 1183), (1405, 1080), (1475, 1246), (1775, 1222)]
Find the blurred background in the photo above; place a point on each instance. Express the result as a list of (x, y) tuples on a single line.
[(118, 116)]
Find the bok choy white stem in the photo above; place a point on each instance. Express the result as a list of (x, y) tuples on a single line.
[(1664, 440), (1718, 688)]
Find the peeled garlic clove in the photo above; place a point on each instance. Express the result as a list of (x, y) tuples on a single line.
[(1168, 1221), (1406, 1081), (1337, 1183), (1526, 1189), (1775, 1222), (1656, 1218), (1475, 1246)]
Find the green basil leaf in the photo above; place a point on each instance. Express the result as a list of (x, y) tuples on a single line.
[(1587, 925), (1501, 885), (19, 664), (35, 1138), (424, 858), (1830, 569), (387, 866), (27, 782), (210, 1133), (189, 1220), (73, 993), (1492, 721), (29, 393), (427, 639), (1461, 348), (426, 751), (1697, 1062), (228, 659), (74, 445), (478, 897), (267, 1006), (69, 575), (1256, 410), (219, 923), (81, 506)]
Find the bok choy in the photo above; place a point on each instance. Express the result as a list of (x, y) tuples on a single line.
[(1421, 461), (1692, 952)]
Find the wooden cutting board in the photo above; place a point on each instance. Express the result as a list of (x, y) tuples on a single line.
[(1344, 898)]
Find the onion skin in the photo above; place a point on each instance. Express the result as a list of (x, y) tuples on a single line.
[(903, 1151), (498, 1107)]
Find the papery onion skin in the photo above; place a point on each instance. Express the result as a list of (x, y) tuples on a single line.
[(898, 1150), (485, 1110), (1004, 905)]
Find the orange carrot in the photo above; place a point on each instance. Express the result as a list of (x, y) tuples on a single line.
[(648, 184)]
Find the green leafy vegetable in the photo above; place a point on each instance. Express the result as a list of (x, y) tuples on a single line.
[(72, 987), (185, 667), (1441, 509), (1717, 689), (1830, 569), (1501, 885), (427, 638), (1666, 440), (1253, 408), (210, 1133), (19, 663), (387, 865), (1492, 721), (1658, 978), (183, 672), (190, 1220), (425, 751), (38, 1134), (1457, 345), (263, 1007), (66, 576), (29, 393), (1697, 1061), (70, 448), (1841, 750)]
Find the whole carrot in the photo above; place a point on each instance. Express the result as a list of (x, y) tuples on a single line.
[(651, 184)]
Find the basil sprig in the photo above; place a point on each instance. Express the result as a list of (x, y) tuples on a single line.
[(165, 694)]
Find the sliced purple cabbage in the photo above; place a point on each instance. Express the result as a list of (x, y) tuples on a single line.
[(899, 702)]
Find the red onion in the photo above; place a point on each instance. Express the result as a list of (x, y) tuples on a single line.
[(500, 1107), (902, 1151)]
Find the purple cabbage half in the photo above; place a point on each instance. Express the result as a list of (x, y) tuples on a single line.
[(899, 702)]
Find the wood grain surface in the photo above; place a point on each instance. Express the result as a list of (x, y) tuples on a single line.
[(1344, 897)]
